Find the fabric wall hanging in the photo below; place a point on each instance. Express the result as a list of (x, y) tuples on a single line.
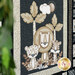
[(42, 35)]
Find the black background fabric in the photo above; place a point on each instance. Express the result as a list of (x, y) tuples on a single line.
[(27, 29)]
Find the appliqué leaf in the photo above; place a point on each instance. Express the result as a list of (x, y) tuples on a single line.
[(27, 17), (59, 27), (40, 18), (54, 20), (34, 9), (50, 26)]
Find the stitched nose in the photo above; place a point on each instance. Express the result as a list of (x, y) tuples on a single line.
[(33, 55), (44, 43)]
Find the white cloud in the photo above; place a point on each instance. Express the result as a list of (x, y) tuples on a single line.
[(45, 9)]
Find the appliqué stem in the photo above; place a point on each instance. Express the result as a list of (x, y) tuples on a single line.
[(34, 30), (54, 34)]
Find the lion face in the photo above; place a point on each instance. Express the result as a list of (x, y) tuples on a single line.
[(44, 39)]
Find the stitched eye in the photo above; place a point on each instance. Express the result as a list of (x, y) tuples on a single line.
[(29, 54)]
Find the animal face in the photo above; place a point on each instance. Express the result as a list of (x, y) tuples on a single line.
[(44, 39), (32, 51), (56, 45)]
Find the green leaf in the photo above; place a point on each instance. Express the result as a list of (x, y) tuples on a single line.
[(12, 64), (9, 22), (12, 71), (0, 68), (5, 39), (2, 3), (6, 16), (1, 13), (5, 57), (0, 57)]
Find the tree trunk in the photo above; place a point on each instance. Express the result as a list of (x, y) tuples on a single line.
[(34, 30), (54, 35)]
